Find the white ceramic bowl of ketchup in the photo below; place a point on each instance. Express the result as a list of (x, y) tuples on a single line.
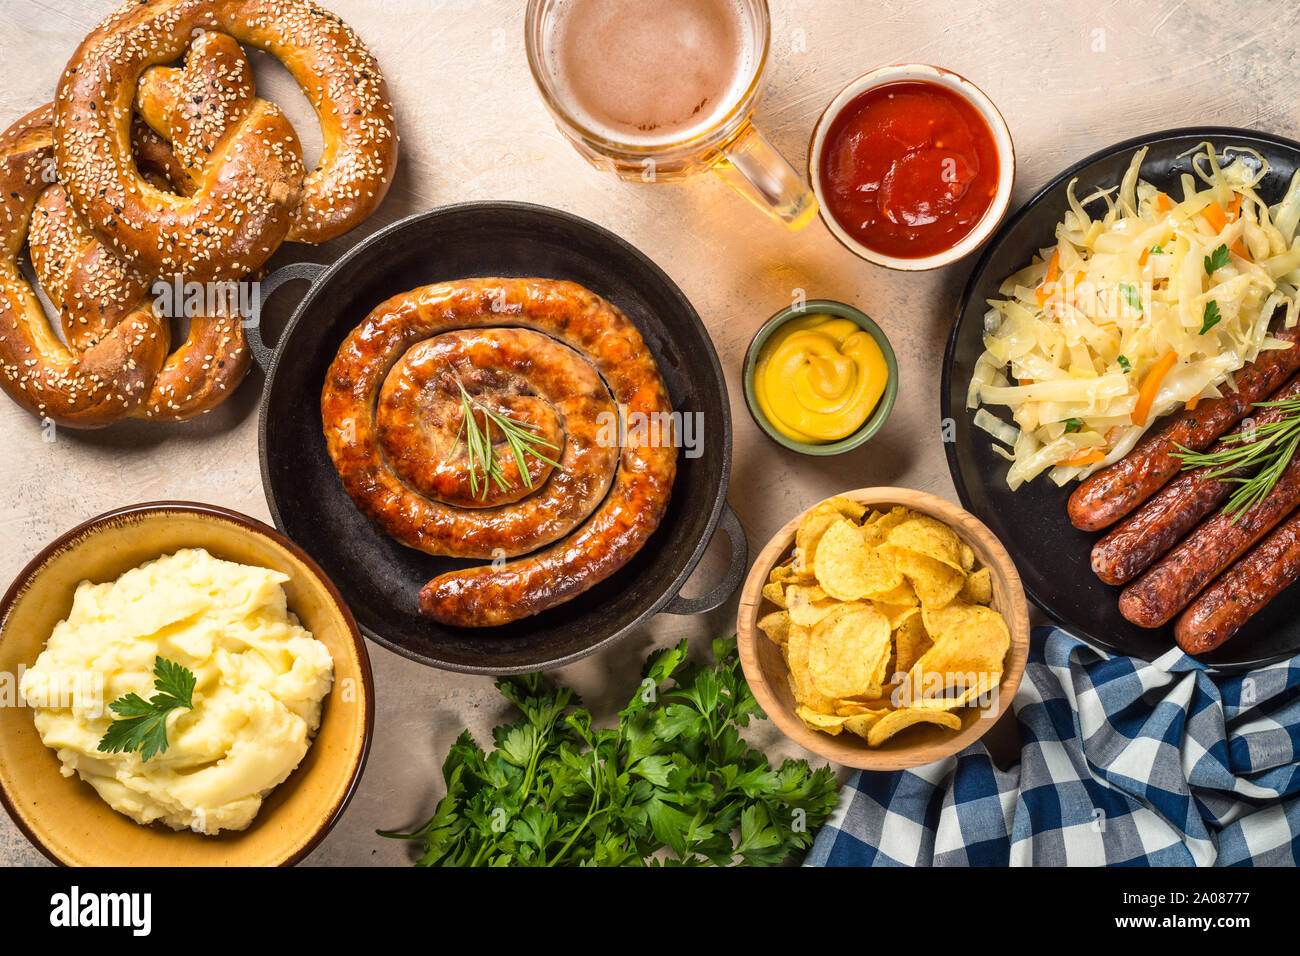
[(1001, 140)]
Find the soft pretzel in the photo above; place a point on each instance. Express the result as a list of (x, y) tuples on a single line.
[(89, 387), (548, 353), (251, 192), (96, 291), (91, 286), (93, 289)]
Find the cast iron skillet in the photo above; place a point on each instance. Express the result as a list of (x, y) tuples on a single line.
[(1050, 553), (379, 578)]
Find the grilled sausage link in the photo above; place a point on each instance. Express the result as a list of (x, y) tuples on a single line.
[(1166, 589), (1143, 537), (1242, 592), (1110, 494), (388, 428)]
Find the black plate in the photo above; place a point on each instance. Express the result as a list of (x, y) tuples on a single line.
[(379, 578), (1050, 553)]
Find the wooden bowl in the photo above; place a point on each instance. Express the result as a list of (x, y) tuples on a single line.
[(64, 816), (768, 676)]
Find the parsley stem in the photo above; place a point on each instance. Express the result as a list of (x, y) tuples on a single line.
[(591, 814)]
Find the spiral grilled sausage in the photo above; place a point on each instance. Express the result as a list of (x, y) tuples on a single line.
[(546, 352), (251, 191)]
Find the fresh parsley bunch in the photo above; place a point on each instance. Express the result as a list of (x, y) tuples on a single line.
[(673, 774)]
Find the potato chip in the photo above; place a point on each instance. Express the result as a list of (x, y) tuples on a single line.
[(848, 651), (884, 521), (966, 637), (969, 652), (939, 621), (787, 573), (813, 526), (808, 593), (776, 626), (827, 723), (861, 724), (884, 671), (896, 614), (956, 692), (801, 685), (852, 708), (847, 569), (898, 720), (847, 507), (775, 593), (808, 604), (936, 583), (903, 593), (884, 621), (928, 536), (792, 570), (978, 588), (910, 641)]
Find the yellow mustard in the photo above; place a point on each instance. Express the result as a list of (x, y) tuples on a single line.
[(818, 378)]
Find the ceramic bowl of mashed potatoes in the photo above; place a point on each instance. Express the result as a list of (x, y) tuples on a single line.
[(263, 764)]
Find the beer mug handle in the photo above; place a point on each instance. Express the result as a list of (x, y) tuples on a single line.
[(752, 166)]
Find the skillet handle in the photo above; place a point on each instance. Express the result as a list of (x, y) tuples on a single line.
[(729, 525), (263, 354)]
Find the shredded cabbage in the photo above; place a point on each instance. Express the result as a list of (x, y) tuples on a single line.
[(1151, 307)]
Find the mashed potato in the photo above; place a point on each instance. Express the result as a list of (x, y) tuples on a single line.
[(261, 679)]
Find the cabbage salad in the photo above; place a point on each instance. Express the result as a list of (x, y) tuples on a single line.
[(1149, 308)]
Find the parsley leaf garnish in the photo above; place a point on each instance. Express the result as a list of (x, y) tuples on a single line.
[(1132, 296), (1211, 316), (673, 776), (1217, 259), (1073, 425), (1157, 251), (1125, 364), (142, 724)]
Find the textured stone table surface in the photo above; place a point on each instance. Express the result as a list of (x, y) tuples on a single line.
[(1069, 78)]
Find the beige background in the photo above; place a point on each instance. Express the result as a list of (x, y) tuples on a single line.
[(1069, 77)]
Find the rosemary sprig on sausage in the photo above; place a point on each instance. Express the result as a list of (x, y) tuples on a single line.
[(1265, 450), (478, 444)]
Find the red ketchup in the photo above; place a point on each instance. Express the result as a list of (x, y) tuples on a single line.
[(909, 169)]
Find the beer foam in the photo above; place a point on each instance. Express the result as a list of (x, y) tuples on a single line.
[(650, 73)]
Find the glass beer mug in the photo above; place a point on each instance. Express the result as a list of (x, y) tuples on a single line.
[(658, 90)]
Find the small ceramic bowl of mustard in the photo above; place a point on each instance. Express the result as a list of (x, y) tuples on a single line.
[(811, 405), (64, 816)]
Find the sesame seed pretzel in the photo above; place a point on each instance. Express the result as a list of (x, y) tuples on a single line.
[(96, 291), (82, 387), (250, 193)]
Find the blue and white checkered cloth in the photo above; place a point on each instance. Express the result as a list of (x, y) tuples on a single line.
[(1123, 762)]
